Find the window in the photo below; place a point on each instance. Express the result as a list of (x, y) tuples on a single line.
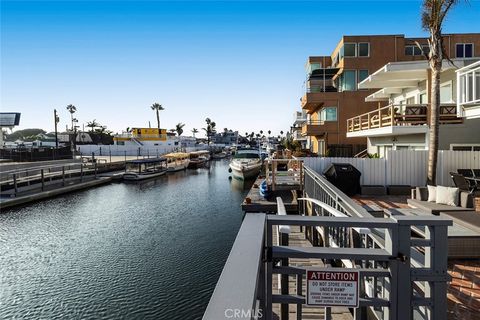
[(464, 147), (364, 49), (446, 93), (464, 50), (328, 114), (410, 100), (120, 143), (414, 50), (349, 50), (348, 80), (362, 75)]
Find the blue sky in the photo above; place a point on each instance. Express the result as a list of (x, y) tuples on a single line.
[(241, 63)]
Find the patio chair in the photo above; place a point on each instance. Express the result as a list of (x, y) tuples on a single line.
[(476, 173), (461, 183), (469, 174)]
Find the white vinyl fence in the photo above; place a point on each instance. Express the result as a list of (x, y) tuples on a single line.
[(403, 167)]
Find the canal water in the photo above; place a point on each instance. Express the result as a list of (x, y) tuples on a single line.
[(122, 251)]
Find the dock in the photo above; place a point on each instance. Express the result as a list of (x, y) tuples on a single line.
[(255, 202)]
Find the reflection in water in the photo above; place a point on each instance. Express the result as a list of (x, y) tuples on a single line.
[(241, 185), (152, 249)]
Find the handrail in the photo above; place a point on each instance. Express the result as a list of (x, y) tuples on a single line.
[(237, 288), (400, 114)]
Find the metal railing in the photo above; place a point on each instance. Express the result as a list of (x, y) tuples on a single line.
[(400, 115), (402, 276)]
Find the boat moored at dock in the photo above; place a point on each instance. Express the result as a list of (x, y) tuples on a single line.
[(199, 159), (177, 161), (246, 164), (143, 169)]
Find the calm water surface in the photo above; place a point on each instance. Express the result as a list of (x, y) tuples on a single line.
[(123, 251)]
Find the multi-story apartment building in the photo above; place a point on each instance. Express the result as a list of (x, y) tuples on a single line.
[(331, 88)]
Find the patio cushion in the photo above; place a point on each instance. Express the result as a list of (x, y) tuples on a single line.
[(432, 194), (446, 195), (434, 208)]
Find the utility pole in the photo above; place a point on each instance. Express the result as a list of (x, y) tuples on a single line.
[(56, 120)]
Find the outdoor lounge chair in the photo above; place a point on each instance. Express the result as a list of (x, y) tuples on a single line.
[(461, 183), (469, 174)]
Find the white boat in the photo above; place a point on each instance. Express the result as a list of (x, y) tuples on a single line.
[(143, 169), (220, 155), (177, 161), (246, 164)]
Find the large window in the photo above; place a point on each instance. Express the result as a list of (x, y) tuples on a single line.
[(423, 98), (362, 75), (328, 114), (412, 50), (363, 49), (348, 80), (349, 50), (464, 50)]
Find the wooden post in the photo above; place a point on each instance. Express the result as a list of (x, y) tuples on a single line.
[(81, 172), (368, 119), (95, 170), (43, 179), (110, 154), (379, 118), (63, 175)]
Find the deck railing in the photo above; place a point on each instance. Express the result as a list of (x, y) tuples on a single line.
[(400, 115), (284, 174), (402, 277)]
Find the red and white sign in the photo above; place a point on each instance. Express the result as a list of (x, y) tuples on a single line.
[(330, 288)]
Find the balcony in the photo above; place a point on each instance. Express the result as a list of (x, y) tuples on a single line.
[(468, 88), (318, 127), (398, 120), (299, 117)]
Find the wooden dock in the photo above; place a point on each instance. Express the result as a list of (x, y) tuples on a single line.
[(255, 202)]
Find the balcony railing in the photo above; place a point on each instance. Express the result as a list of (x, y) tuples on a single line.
[(321, 88), (400, 115)]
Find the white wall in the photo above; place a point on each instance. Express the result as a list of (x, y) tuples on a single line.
[(403, 167)]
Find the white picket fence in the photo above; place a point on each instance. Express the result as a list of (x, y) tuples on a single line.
[(403, 167)]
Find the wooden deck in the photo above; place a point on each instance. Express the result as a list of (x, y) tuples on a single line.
[(257, 203), (297, 238)]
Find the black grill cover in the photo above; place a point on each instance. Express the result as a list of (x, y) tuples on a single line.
[(345, 177)]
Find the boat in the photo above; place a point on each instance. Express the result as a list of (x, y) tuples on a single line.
[(143, 169), (246, 164), (199, 159), (177, 161), (219, 155)]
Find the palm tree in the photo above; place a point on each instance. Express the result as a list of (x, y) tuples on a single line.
[(157, 107), (179, 128), (92, 125), (433, 16), (209, 129), (281, 132), (173, 130), (128, 129), (269, 132), (72, 109), (194, 130)]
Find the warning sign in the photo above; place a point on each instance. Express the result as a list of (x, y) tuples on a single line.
[(330, 288)]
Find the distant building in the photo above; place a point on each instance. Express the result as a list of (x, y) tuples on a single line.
[(226, 137)]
